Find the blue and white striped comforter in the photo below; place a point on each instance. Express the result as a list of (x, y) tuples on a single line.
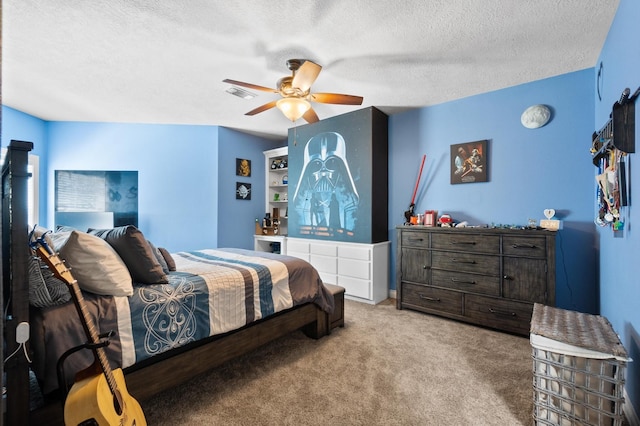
[(215, 291)]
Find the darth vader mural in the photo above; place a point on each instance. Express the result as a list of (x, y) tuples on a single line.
[(338, 178), (326, 198)]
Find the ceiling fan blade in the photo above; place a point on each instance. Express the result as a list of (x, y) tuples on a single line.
[(262, 108), (306, 75), (336, 98), (310, 116), (249, 85)]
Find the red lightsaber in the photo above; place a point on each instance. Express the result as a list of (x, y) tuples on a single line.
[(415, 190), (412, 206)]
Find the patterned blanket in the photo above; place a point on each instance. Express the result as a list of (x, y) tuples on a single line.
[(212, 292)]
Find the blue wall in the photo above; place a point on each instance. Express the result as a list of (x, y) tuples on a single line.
[(619, 283), (177, 174), (236, 218), (186, 174), (24, 127), (181, 171), (529, 170)]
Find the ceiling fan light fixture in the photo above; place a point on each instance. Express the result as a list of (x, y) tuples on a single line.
[(293, 108)]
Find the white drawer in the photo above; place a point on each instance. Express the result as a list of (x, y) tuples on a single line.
[(324, 249), (328, 278), (352, 252), (324, 263), (355, 287), (354, 268), (297, 246), (303, 256)]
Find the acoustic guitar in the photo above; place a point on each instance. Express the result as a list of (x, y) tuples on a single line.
[(99, 395)]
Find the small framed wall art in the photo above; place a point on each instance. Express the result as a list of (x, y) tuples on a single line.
[(243, 191), (469, 162), (243, 167)]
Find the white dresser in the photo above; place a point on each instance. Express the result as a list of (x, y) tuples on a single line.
[(362, 269)]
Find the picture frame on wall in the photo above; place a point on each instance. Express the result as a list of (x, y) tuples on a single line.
[(243, 191), (469, 162), (243, 167)]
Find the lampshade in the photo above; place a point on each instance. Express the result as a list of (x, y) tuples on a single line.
[(293, 108)]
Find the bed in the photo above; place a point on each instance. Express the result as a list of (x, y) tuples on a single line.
[(179, 315)]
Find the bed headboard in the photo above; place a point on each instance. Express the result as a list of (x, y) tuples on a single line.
[(14, 282)]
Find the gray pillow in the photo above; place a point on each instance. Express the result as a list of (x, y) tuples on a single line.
[(159, 258), (44, 289), (171, 264), (133, 248)]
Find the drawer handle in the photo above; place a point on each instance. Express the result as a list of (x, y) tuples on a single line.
[(471, 262), (455, 280), (416, 239), (521, 245), (469, 243), (503, 313), (425, 267), (430, 299)]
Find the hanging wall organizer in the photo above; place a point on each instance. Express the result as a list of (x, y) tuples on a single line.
[(610, 146), (619, 131)]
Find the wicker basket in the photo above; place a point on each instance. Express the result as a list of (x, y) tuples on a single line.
[(579, 366)]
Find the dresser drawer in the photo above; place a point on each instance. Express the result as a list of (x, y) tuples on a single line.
[(466, 242), (323, 249), (354, 268), (352, 252), (295, 246), (430, 298), (466, 282), (299, 255), (498, 313), (524, 246), (324, 263), (415, 265), (415, 239), (525, 279), (355, 287), (328, 278), (466, 262)]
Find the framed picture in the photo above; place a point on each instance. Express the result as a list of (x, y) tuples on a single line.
[(243, 167), (469, 162), (243, 191)]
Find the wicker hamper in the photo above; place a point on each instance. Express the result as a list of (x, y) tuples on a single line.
[(578, 368)]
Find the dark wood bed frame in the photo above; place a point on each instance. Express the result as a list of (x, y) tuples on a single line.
[(150, 377)]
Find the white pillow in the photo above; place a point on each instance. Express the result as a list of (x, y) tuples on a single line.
[(93, 263)]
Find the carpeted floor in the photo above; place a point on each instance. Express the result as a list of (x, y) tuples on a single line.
[(385, 367)]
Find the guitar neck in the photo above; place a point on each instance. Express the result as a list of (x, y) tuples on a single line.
[(89, 326)]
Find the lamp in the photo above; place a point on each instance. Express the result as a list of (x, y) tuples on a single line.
[(535, 116), (293, 108)]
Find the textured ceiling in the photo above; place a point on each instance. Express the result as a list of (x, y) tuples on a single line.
[(164, 61)]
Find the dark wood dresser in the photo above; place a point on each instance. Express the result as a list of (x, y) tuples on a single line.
[(485, 276)]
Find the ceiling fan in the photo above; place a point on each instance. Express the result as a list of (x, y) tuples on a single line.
[(296, 92)]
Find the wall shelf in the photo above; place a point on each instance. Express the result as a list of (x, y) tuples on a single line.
[(268, 237)]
